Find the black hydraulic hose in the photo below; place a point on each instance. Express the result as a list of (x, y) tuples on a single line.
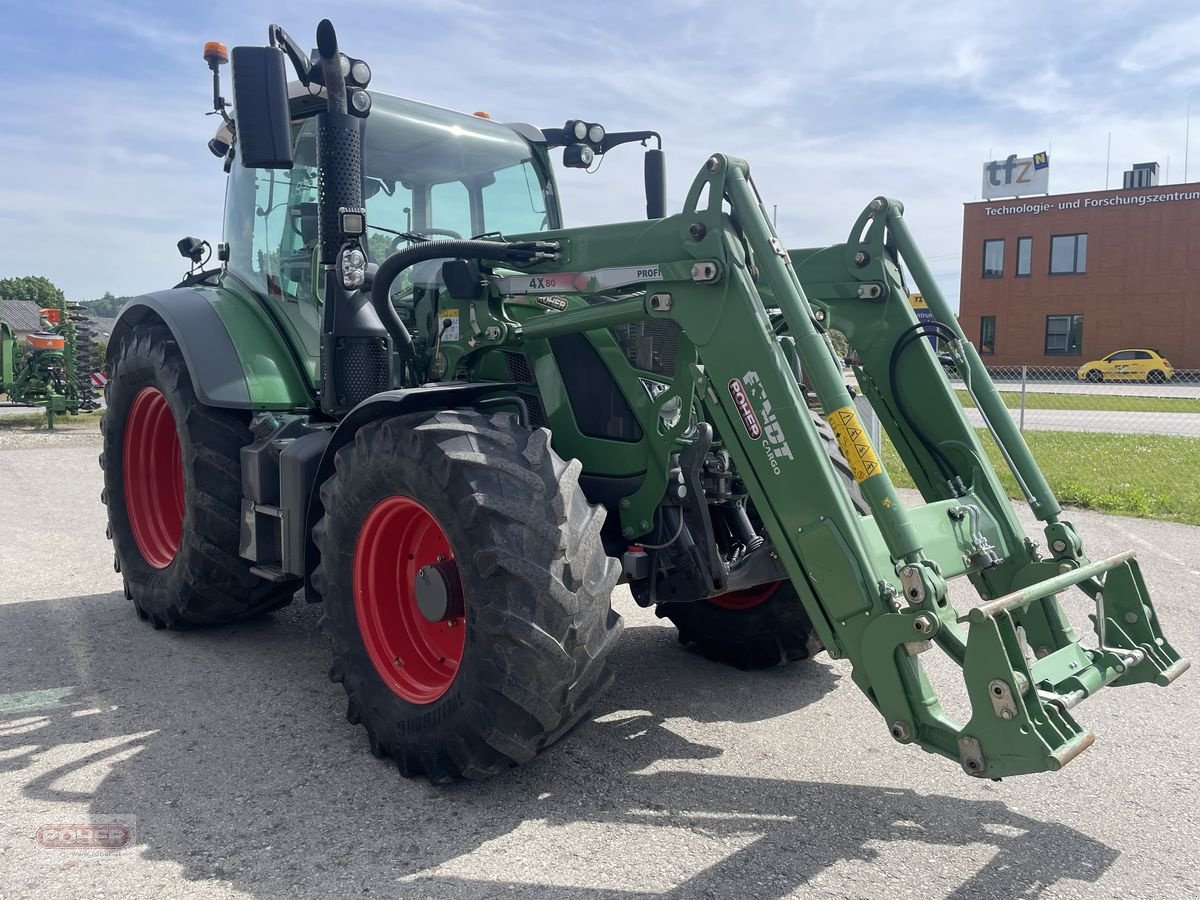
[(381, 285), (907, 338)]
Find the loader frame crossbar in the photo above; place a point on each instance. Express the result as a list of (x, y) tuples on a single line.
[(874, 586)]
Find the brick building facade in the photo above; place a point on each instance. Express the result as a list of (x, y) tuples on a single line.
[(1062, 279)]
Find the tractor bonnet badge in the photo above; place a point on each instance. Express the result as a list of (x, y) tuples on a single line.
[(749, 419)]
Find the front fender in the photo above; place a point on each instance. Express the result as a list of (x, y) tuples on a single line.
[(236, 356)]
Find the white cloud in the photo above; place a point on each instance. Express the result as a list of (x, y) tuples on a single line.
[(1165, 45), (832, 104)]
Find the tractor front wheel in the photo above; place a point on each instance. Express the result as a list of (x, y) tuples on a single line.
[(754, 628), (173, 488), (466, 591)]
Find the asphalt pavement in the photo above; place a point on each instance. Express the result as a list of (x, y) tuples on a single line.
[(227, 753), (1101, 422)]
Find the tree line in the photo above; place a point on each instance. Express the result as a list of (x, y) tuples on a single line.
[(45, 293)]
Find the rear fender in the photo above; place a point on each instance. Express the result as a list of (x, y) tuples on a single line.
[(236, 356)]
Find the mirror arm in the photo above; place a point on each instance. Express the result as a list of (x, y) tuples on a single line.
[(281, 40)]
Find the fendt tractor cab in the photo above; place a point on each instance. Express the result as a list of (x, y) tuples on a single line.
[(411, 391)]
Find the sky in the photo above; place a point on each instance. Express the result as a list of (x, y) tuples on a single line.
[(103, 133)]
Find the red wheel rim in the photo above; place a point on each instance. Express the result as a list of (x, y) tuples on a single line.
[(748, 598), (416, 658), (153, 474)]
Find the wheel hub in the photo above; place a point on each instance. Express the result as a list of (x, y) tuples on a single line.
[(439, 592)]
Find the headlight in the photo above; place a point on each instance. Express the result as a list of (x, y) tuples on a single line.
[(578, 156), (354, 269), (595, 133), (360, 73), (579, 130), (361, 101)]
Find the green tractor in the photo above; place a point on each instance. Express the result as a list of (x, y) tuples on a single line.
[(410, 391)]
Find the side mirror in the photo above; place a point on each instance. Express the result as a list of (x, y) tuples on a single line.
[(192, 248), (260, 100), (656, 184)]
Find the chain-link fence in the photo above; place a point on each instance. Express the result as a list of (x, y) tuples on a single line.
[(1113, 399), (1121, 438)]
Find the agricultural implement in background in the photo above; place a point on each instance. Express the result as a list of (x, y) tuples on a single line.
[(52, 368), (457, 424)]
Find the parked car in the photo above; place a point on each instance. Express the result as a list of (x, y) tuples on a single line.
[(1128, 365)]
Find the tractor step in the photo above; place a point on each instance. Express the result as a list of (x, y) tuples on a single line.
[(271, 573)]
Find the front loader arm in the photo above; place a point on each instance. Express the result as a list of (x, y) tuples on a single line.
[(874, 586)]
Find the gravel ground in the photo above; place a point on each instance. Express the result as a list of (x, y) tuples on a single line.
[(228, 753)]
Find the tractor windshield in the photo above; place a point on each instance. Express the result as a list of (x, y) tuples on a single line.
[(441, 174), (426, 171)]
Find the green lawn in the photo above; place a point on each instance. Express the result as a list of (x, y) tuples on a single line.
[(1152, 476), (1039, 400)]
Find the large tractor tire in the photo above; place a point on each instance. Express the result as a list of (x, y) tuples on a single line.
[(173, 488), (765, 625), (466, 591)]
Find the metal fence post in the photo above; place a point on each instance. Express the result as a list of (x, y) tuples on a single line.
[(866, 412), (1024, 378)]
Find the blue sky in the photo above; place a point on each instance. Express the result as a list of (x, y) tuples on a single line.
[(103, 138)]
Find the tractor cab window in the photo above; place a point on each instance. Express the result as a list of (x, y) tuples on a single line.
[(442, 175), (450, 211), (271, 228)]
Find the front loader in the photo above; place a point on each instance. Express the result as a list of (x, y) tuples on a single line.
[(457, 424)]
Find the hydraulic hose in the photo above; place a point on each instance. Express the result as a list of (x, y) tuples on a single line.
[(908, 338), (381, 285)]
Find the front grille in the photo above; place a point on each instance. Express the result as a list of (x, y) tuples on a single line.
[(537, 415), (650, 346), (599, 407), (518, 367)]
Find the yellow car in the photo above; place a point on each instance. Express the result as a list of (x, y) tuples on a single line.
[(1129, 365)]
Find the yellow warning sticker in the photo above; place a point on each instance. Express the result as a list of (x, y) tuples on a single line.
[(855, 444)]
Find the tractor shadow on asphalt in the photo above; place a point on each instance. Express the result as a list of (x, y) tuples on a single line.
[(230, 748)]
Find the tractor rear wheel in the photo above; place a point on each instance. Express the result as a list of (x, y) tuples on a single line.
[(466, 591), (765, 625), (173, 488)]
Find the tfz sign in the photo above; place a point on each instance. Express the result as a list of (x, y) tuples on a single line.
[(1016, 177)]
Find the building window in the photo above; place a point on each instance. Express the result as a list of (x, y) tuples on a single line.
[(1024, 256), (1064, 335), (993, 259), (987, 335), (1068, 254)]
